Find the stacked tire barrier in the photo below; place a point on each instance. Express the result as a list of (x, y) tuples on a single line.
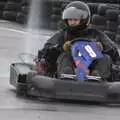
[(105, 14), (14, 10), (107, 20)]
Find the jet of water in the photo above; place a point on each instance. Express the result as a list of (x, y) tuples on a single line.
[(33, 26)]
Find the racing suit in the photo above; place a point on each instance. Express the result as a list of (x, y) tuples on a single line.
[(51, 53)]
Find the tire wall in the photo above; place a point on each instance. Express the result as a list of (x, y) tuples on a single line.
[(105, 14)]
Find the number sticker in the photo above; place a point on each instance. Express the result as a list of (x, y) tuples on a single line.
[(90, 51)]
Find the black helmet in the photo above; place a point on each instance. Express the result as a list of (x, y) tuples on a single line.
[(77, 10)]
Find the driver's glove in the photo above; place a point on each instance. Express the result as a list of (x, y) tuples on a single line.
[(41, 66), (43, 61), (99, 45), (66, 46)]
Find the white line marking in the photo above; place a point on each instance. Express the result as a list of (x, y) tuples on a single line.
[(14, 30), (34, 32)]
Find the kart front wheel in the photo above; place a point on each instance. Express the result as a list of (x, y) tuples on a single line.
[(21, 90)]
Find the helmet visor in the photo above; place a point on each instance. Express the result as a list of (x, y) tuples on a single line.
[(74, 13)]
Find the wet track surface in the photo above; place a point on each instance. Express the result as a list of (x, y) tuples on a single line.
[(14, 108)]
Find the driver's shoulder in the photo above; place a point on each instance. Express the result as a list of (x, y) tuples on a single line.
[(60, 31), (57, 35), (95, 32)]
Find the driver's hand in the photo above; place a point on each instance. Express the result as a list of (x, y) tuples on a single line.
[(99, 45), (66, 46)]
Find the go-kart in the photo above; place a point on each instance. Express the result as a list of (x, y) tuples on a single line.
[(79, 86)]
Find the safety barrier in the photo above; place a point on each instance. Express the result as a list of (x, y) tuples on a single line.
[(105, 14)]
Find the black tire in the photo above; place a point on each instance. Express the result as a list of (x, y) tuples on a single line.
[(98, 22), (21, 90), (93, 7), (12, 6), (1, 15), (55, 17), (2, 5), (53, 25), (102, 9), (46, 10), (57, 4), (56, 10), (25, 9), (112, 15), (45, 23), (29, 77), (118, 19), (10, 15), (18, 1), (113, 6), (118, 29), (3, 0), (117, 39), (26, 2), (21, 18), (111, 26)]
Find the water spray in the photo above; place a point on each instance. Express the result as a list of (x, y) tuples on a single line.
[(33, 26)]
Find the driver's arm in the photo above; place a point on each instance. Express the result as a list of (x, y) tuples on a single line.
[(55, 40), (109, 47)]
